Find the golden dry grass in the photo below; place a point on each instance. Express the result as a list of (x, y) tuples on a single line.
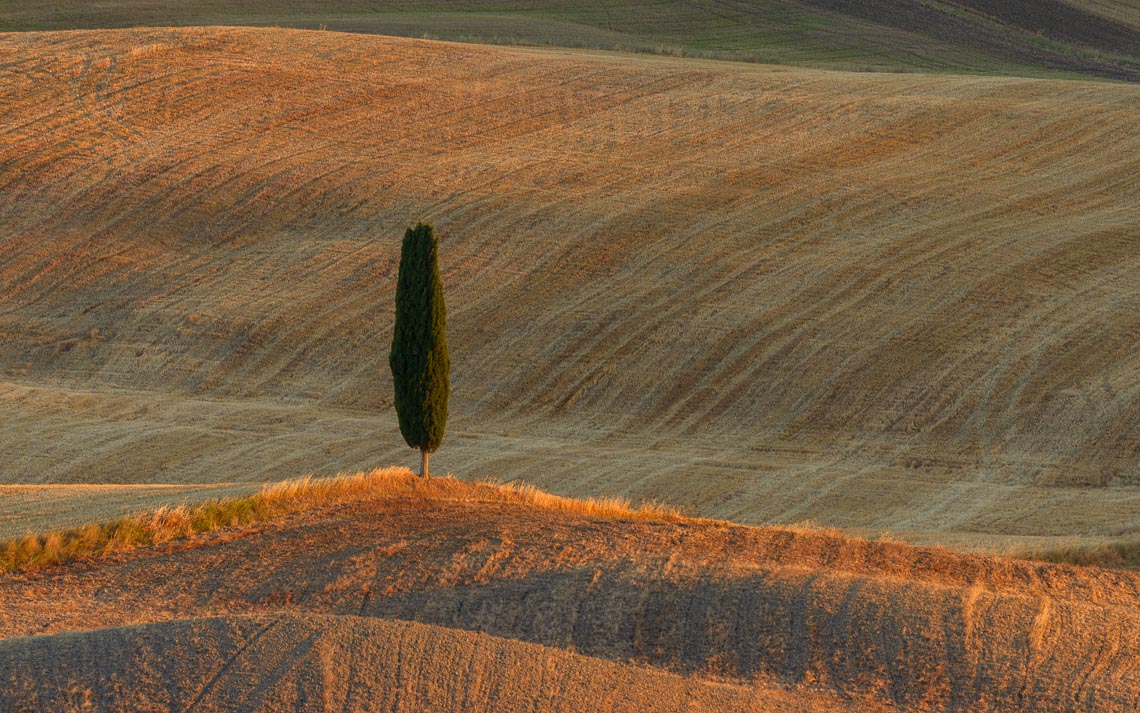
[(26, 508), (282, 498), (1121, 553), (883, 302)]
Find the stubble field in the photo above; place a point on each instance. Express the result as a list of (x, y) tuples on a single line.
[(882, 302), (888, 303)]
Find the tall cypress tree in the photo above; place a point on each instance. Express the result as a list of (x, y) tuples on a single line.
[(419, 361)]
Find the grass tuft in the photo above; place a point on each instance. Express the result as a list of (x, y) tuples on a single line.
[(1119, 554), (167, 524)]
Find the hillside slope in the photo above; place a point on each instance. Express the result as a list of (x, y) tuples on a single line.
[(814, 617), (874, 301), (316, 662), (1090, 37)]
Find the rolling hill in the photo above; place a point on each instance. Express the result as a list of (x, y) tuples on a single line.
[(285, 662), (1099, 38), (454, 599), (881, 302), (897, 303)]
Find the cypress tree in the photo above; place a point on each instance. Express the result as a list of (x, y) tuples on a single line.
[(419, 360)]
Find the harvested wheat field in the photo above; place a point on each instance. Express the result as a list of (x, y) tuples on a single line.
[(333, 663), (880, 302), (386, 592)]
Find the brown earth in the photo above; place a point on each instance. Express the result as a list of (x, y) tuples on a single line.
[(880, 302), (750, 618)]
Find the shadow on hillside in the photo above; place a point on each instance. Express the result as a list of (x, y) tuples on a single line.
[(917, 644)]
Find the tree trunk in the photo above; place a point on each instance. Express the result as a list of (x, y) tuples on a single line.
[(424, 465)]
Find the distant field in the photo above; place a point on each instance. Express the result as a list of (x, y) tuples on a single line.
[(450, 598), (1123, 11), (882, 302), (26, 509), (1024, 37)]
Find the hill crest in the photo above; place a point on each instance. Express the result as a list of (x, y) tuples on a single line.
[(881, 625)]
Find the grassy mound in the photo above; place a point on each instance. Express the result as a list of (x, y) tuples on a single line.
[(276, 500)]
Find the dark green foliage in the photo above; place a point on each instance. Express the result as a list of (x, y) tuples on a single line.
[(419, 361)]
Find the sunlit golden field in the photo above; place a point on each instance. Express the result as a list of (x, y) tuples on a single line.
[(882, 302), (850, 334)]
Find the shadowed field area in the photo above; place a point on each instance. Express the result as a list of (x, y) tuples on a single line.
[(287, 662), (1097, 38), (874, 301), (311, 609)]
